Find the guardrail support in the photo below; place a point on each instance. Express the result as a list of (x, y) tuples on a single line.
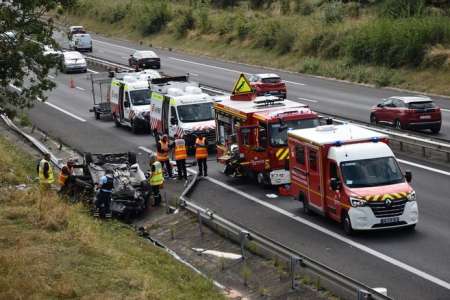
[(424, 153), (295, 260), (363, 295), (200, 228), (167, 203), (243, 236), (401, 146)]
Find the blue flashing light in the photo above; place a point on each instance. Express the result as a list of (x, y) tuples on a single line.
[(338, 143), (375, 139)]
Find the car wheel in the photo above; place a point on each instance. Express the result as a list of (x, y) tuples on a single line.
[(373, 119), (347, 225), (398, 124), (435, 129)]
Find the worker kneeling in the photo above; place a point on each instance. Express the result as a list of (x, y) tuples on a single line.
[(155, 179), (103, 201)]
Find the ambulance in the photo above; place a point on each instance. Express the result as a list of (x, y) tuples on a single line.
[(130, 99), (349, 174), (252, 131), (179, 106)]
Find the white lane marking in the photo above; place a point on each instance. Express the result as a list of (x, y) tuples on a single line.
[(51, 77), (424, 167), (361, 247), (111, 44), (92, 71), (306, 99), (205, 65), (296, 83), (145, 149), (79, 88)]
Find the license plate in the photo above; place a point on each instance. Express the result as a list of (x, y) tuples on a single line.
[(425, 117), (390, 220)]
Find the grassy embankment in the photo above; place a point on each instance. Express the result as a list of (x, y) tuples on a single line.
[(402, 43), (52, 250)]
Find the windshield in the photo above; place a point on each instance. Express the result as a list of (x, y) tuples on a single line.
[(371, 172), (278, 132), (140, 97), (271, 80), (195, 112)]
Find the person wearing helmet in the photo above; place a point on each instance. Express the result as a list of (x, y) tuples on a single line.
[(103, 202), (155, 179)]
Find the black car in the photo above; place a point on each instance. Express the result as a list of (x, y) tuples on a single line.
[(144, 60)]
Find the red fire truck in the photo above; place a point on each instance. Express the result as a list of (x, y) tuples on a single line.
[(251, 135), (349, 173)]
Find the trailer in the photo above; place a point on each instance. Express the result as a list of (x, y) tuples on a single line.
[(101, 84)]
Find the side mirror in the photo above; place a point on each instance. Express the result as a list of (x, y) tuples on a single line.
[(126, 104), (334, 184), (408, 176)]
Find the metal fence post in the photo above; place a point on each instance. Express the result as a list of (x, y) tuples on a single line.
[(200, 228), (167, 203), (295, 260), (243, 236)]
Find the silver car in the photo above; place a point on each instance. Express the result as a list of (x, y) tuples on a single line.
[(73, 61)]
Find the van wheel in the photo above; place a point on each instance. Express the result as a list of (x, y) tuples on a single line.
[(306, 209), (347, 225), (398, 124)]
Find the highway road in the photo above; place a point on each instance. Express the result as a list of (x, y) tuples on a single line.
[(411, 265), (332, 97)]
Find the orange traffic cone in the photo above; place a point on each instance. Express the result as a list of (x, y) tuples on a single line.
[(72, 83)]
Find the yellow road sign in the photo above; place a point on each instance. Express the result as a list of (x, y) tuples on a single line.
[(242, 86)]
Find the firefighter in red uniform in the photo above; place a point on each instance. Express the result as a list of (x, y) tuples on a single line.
[(162, 154), (201, 154)]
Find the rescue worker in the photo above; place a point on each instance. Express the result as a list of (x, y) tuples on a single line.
[(155, 179), (45, 173), (162, 153), (63, 180), (201, 154), (103, 201), (180, 156)]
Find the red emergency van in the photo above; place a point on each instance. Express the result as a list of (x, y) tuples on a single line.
[(349, 173)]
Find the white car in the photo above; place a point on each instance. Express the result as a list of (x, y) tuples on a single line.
[(73, 61), (49, 50), (81, 42)]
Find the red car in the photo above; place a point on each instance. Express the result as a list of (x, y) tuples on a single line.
[(418, 112), (268, 84)]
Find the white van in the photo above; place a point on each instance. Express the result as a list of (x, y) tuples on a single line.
[(81, 42)]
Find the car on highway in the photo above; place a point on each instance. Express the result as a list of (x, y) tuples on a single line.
[(73, 61), (408, 112), (81, 42), (268, 84), (75, 30), (144, 59)]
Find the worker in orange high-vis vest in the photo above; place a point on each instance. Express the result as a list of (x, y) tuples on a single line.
[(162, 153), (63, 179), (180, 155), (201, 154)]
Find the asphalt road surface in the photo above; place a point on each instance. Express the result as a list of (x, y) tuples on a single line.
[(325, 96), (411, 265)]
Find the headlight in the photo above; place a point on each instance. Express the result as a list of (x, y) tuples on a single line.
[(355, 202), (411, 196)]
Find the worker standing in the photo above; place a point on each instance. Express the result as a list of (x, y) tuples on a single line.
[(162, 153), (45, 172), (103, 202), (156, 179), (180, 157), (201, 154), (63, 180)]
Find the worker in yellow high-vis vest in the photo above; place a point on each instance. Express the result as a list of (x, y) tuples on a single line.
[(155, 179), (45, 173)]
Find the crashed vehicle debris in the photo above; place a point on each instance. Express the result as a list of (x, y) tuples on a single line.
[(131, 192)]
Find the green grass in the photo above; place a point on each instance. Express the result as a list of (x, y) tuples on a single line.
[(60, 252), (349, 41)]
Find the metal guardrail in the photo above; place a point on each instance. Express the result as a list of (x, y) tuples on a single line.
[(293, 257), (424, 144)]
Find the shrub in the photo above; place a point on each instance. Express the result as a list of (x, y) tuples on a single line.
[(333, 12), (202, 19), (402, 8), (155, 16), (265, 33), (243, 27), (184, 22), (310, 65), (224, 24), (352, 9), (303, 7), (284, 40)]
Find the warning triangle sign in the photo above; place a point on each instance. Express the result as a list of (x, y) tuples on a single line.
[(242, 86)]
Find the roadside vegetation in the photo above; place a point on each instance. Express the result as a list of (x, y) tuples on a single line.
[(52, 250), (403, 43)]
